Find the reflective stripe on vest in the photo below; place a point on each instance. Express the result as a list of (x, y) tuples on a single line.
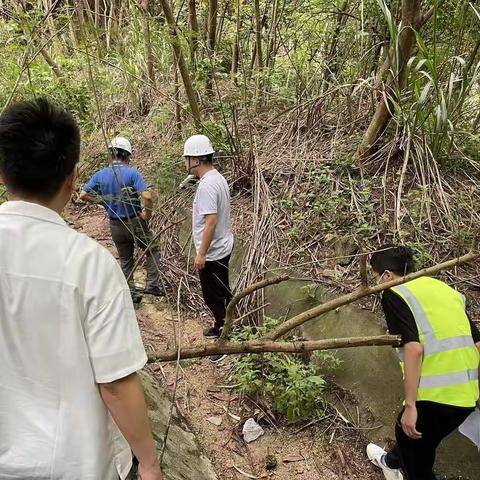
[(432, 344), (448, 374), (445, 379)]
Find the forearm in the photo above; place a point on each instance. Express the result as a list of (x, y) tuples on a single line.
[(148, 206), (207, 237), (125, 401), (88, 197), (412, 371)]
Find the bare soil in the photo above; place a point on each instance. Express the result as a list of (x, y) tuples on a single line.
[(320, 451)]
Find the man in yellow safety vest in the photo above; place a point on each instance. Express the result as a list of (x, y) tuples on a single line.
[(439, 357)]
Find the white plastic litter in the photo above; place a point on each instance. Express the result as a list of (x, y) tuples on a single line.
[(471, 427), (251, 430)]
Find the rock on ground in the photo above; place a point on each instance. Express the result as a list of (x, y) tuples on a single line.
[(184, 459)]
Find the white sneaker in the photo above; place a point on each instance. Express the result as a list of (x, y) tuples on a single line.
[(375, 454)]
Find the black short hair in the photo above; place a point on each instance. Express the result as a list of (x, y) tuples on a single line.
[(120, 154), (208, 159), (396, 259), (39, 147)]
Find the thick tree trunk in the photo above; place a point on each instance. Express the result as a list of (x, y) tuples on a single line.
[(47, 4), (147, 44), (331, 64), (258, 36), (178, 112), (194, 30), (382, 115), (272, 36), (236, 46), (97, 13), (258, 53), (212, 35), (182, 65)]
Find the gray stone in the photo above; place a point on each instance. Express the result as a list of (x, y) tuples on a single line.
[(184, 458), (251, 430)]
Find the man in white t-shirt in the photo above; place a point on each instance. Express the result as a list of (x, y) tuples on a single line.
[(212, 232), (71, 404)]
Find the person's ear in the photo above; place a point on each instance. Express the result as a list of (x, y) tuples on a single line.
[(388, 276), (72, 178)]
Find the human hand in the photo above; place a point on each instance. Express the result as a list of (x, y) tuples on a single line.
[(145, 216), (150, 472), (200, 261), (409, 422)]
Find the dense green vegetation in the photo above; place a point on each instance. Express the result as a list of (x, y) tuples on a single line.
[(335, 119)]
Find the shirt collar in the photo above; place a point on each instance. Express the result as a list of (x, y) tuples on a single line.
[(28, 209), (210, 172)]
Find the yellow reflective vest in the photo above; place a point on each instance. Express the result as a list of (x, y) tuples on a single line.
[(450, 363)]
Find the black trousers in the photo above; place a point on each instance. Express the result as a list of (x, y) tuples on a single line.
[(417, 457), (130, 233), (214, 279)]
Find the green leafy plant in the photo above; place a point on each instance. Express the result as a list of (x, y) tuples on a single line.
[(294, 387)]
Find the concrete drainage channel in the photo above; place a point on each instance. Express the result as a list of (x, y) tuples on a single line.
[(371, 374)]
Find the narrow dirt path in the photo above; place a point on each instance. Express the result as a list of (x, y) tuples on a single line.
[(216, 412)]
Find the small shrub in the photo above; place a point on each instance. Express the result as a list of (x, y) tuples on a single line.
[(295, 388)]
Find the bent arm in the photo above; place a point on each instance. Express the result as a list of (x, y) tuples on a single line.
[(147, 201), (125, 401), (88, 197)]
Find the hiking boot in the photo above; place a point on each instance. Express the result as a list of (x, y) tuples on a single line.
[(157, 291), (376, 455), (211, 332)]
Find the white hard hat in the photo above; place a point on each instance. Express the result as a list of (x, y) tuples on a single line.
[(122, 144), (198, 146)]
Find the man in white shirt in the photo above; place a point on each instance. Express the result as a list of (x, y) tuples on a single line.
[(71, 404), (212, 232)]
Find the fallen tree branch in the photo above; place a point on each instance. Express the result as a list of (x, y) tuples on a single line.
[(326, 307), (262, 346), (227, 327)]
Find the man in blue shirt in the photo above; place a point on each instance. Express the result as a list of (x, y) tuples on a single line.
[(122, 190)]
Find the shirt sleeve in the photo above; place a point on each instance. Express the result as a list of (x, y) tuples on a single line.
[(399, 317), (112, 334), (207, 200), (93, 185), (139, 182)]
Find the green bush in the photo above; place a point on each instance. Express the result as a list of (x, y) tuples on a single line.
[(294, 387)]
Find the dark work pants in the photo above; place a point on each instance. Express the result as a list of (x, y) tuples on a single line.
[(416, 457), (214, 279), (127, 234)]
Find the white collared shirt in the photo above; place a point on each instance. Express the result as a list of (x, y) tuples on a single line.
[(67, 323)]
